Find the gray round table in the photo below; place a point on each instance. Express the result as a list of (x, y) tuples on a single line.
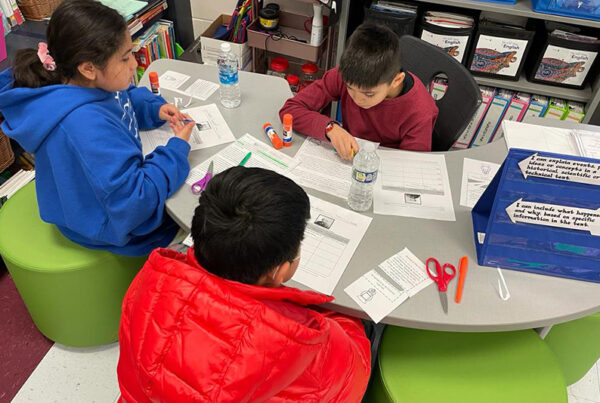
[(536, 301)]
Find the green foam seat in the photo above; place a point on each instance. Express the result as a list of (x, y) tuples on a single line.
[(420, 366), (73, 294)]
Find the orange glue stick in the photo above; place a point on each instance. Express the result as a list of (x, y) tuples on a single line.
[(272, 135), (153, 76), (287, 129)]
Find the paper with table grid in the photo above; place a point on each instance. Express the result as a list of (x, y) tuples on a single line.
[(331, 238), (210, 130), (413, 184)]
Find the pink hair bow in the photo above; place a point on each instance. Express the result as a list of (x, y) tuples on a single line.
[(45, 57)]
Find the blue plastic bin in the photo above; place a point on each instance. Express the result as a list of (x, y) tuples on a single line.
[(588, 9)]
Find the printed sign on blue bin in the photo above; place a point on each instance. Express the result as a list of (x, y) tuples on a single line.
[(541, 214)]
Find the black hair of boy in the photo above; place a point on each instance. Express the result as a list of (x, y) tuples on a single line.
[(249, 221), (79, 31), (372, 57)]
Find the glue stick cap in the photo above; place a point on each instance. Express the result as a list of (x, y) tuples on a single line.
[(287, 119), (153, 76)]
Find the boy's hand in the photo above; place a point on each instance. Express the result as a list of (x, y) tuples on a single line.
[(182, 129), (343, 142), (168, 111)]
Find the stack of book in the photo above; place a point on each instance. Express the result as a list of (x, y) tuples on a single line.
[(127, 8), (146, 16), (394, 7), (158, 42), (448, 20), (12, 16), (499, 105), (16, 182)]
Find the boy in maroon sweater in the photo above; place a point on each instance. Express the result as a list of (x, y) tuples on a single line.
[(380, 102)]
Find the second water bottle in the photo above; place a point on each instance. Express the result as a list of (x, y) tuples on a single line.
[(364, 174), (229, 88)]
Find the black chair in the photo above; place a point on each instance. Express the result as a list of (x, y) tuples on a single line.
[(462, 98)]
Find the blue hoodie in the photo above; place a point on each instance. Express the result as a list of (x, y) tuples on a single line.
[(92, 179)]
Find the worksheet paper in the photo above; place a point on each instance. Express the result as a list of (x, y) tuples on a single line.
[(200, 90), (331, 238), (476, 177), (263, 156), (585, 143), (210, 130), (413, 184), (588, 143), (172, 79), (377, 296), (322, 169)]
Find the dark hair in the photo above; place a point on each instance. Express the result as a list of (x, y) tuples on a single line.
[(372, 56), (79, 31), (249, 220)]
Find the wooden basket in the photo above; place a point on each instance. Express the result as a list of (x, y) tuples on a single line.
[(7, 157), (37, 10)]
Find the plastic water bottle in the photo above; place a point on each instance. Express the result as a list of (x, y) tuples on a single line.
[(228, 78), (364, 174)]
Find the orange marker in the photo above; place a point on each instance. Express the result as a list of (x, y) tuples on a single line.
[(462, 273), (272, 135)]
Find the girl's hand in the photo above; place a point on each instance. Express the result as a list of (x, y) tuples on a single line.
[(182, 129), (168, 111)]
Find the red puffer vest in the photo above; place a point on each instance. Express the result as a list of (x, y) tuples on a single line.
[(189, 336)]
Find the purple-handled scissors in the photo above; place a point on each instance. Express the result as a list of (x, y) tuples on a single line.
[(443, 275), (199, 186)]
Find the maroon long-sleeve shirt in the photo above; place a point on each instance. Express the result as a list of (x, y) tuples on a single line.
[(404, 122)]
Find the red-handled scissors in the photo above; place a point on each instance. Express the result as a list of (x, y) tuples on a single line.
[(443, 275)]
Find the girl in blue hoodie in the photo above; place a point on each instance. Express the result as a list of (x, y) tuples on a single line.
[(71, 104)]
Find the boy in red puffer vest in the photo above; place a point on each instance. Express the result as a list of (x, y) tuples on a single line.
[(217, 325)]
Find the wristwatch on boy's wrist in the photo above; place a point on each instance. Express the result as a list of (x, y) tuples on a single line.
[(329, 128)]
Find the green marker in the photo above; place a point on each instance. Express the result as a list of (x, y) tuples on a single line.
[(271, 158), (246, 158)]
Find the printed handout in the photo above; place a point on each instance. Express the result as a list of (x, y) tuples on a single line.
[(476, 177), (210, 130), (331, 238), (413, 185)]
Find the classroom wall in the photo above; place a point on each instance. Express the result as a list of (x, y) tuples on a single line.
[(205, 12)]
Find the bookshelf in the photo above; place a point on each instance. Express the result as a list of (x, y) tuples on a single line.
[(590, 95)]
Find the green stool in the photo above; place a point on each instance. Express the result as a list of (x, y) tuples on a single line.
[(419, 366), (576, 345), (73, 294)]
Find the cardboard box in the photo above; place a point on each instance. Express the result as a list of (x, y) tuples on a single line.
[(557, 109), (537, 107), (516, 110), (493, 117), (211, 47), (576, 111), (487, 94)]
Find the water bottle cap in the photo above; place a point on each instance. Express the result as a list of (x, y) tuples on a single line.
[(225, 47)]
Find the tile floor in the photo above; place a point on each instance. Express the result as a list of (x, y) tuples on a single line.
[(76, 375)]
